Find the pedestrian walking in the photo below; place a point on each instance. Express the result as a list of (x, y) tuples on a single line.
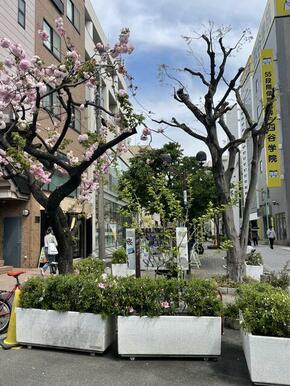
[(255, 237), (271, 234), (50, 249)]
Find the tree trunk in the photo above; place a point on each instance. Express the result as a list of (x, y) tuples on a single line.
[(235, 255), (217, 230), (64, 238)]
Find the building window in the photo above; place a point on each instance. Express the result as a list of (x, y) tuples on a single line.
[(76, 120), (21, 13), (59, 5), (73, 14), (53, 42), (51, 103)]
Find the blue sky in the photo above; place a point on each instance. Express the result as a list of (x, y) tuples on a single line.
[(156, 29)]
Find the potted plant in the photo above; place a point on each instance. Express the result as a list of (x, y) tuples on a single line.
[(231, 316), (168, 317), (254, 265), (89, 266), (70, 312), (265, 321), (119, 263)]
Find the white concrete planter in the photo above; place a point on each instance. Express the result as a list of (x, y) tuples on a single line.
[(122, 270), (69, 330), (254, 271), (268, 358), (169, 336)]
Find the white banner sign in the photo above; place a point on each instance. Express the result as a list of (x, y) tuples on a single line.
[(182, 245), (131, 248)]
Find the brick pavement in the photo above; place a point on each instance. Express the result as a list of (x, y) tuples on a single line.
[(7, 282)]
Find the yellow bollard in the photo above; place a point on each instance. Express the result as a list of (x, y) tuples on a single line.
[(10, 340)]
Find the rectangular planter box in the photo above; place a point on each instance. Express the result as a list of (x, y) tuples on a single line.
[(69, 330), (169, 336), (254, 271), (268, 358)]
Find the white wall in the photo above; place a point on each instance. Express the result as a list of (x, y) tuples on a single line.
[(10, 28)]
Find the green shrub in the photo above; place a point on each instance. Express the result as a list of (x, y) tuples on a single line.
[(225, 281), (266, 310), (155, 297), (90, 266), (119, 256), (123, 296), (254, 258), (280, 279), (231, 311), (68, 293)]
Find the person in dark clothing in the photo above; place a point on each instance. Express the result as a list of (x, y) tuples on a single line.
[(255, 236)]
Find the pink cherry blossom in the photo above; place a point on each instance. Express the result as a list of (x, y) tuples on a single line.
[(59, 26), (36, 170), (102, 285), (82, 107), (122, 92), (5, 43), (90, 151), (17, 50), (8, 62), (83, 137), (165, 304), (43, 35), (24, 64)]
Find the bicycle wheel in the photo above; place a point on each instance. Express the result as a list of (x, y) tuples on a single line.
[(5, 312)]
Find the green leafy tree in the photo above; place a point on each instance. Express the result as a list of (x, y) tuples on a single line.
[(166, 173)]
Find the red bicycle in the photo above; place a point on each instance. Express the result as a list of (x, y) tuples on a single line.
[(6, 299)]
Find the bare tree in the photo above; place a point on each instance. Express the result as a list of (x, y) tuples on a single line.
[(221, 96)]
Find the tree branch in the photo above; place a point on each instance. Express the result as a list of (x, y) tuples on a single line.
[(199, 74), (191, 106)]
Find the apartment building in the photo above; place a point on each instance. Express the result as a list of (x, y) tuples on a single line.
[(22, 219), (106, 213), (268, 67), (17, 24)]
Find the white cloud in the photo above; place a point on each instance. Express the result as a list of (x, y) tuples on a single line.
[(161, 23), (156, 28)]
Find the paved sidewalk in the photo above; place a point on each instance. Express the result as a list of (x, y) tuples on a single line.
[(274, 259), (63, 368)]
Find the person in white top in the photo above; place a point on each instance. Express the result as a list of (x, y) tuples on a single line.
[(271, 234), (50, 248)]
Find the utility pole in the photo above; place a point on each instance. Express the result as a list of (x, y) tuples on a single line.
[(100, 203)]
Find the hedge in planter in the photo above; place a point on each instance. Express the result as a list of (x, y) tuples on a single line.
[(156, 297), (266, 310), (168, 317), (69, 293), (66, 312), (119, 256), (266, 332)]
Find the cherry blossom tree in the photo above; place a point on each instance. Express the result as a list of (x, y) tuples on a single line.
[(34, 153)]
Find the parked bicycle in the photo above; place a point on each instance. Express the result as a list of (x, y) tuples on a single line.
[(6, 299)]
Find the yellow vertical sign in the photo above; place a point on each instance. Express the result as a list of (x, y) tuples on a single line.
[(282, 7), (273, 164)]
